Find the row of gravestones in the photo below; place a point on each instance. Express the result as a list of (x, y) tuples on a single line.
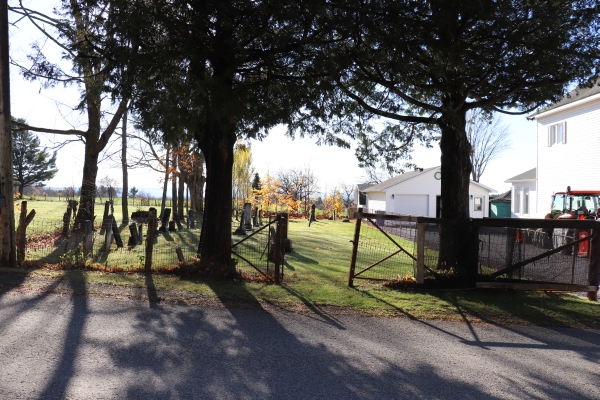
[(248, 222), (135, 229)]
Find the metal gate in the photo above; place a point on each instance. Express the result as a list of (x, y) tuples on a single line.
[(260, 253)]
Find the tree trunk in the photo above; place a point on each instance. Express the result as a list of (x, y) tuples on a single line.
[(456, 169), (8, 250), (181, 191), (124, 204), (166, 182), (217, 146), (88, 187), (174, 183)]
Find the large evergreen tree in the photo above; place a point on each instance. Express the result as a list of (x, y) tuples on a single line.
[(427, 63), (31, 164), (221, 71)]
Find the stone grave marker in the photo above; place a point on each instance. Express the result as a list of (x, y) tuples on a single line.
[(164, 223), (255, 217), (247, 217), (241, 231), (133, 238)]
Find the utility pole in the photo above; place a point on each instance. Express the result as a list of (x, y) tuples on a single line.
[(8, 252)]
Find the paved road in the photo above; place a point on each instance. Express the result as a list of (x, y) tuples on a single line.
[(58, 347)]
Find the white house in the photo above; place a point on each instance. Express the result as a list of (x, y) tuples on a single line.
[(418, 193), (568, 143), (523, 195)]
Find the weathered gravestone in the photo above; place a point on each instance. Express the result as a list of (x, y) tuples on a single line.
[(247, 216), (241, 231), (133, 235), (255, 217), (164, 223)]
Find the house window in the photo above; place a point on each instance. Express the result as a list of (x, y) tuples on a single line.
[(517, 201), (478, 204), (362, 198), (557, 134), (526, 201)]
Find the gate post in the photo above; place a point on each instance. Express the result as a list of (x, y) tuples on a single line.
[(278, 260), (150, 240), (594, 265), (355, 247), (420, 253)]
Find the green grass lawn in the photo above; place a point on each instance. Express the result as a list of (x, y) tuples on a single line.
[(316, 276)]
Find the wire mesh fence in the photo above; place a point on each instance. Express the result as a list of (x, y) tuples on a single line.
[(503, 247), (386, 247), (253, 253)]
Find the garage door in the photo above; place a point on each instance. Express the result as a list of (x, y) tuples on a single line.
[(412, 204)]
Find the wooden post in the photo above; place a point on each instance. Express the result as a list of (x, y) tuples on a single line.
[(420, 253), (67, 218), (179, 254), (139, 237), (106, 223), (24, 221), (115, 231), (355, 247), (150, 240), (594, 265), (108, 240), (278, 260), (574, 260)]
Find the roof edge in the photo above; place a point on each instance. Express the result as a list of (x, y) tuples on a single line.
[(564, 107)]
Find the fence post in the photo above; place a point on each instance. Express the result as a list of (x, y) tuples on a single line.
[(355, 247), (420, 253), (105, 220), (594, 265), (150, 240), (24, 221), (278, 260)]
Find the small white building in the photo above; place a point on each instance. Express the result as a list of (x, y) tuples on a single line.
[(523, 198), (568, 142), (418, 193)]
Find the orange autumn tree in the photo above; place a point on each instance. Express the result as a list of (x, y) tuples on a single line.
[(333, 203), (269, 189)]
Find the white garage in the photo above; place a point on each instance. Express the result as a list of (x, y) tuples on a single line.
[(418, 193)]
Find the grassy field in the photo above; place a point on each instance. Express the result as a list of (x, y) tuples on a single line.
[(316, 276)]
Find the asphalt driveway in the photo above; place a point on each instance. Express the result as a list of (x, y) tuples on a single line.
[(79, 347)]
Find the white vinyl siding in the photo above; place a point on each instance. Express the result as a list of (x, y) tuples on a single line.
[(572, 165)]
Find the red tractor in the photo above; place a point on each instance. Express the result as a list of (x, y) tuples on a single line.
[(574, 204)]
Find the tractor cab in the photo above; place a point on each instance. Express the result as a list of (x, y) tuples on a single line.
[(575, 204)]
